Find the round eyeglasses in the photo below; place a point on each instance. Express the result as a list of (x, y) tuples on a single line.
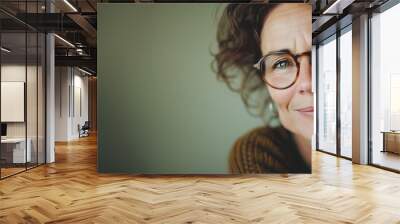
[(280, 69)]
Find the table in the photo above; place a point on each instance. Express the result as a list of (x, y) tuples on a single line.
[(391, 141), (13, 150)]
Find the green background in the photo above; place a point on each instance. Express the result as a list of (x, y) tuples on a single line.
[(161, 108)]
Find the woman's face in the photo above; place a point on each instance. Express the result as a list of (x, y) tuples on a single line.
[(288, 26)]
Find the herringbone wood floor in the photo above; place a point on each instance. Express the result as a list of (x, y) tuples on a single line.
[(71, 191)]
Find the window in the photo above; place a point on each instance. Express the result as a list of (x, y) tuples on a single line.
[(327, 96), (346, 92), (385, 89)]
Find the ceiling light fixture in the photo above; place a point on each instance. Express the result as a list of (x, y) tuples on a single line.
[(79, 51), (5, 50), (65, 41), (70, 5), (84, 71), (337, 7)]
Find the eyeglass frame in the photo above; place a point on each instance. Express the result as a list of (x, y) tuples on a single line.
[(285, 51)]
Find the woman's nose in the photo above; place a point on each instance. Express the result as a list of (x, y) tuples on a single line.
[(304, 80)]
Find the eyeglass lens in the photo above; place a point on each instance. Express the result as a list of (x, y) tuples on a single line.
[(279, 70)]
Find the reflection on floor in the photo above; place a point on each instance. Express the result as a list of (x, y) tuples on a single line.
[(387, 159), (346, 152), (9, 170), (71, 191)]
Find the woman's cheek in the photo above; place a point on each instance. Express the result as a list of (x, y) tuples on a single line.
[(281, 98)]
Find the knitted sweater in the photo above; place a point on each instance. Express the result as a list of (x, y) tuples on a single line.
[(267, 150)]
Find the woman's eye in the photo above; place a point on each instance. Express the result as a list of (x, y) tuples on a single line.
[(283, 64)]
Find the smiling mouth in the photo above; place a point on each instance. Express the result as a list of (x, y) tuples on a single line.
[(306, 110)]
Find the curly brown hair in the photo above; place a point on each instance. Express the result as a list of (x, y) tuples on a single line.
[(238, 49)]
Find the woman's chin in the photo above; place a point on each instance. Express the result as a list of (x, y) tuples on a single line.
[(300, 124), (305, 127)]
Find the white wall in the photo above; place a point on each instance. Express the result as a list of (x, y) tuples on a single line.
[(70, 83), (16, 73), (11, 73), (62, 81), (79, 117)]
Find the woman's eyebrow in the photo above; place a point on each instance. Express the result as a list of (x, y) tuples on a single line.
[(279, 51), (284, 51)]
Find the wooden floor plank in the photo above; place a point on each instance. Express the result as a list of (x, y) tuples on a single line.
[(71, 191)]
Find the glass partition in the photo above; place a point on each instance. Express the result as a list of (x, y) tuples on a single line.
[(14, 153), (22, 88)]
